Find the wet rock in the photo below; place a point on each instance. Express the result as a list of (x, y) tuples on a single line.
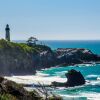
[(74, 78)]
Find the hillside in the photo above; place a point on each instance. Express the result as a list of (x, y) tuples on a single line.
[(21, 59), (18, 58)]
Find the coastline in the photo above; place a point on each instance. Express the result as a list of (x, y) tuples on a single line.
[(46, 78), (27, 59), (44, 58), (30, 79)]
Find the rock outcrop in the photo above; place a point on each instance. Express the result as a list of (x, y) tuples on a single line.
[(72, 56), (15, 91), (21, 59), (74, 78)]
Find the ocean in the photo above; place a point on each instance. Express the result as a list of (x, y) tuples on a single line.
[(91, 72), (89, 91), (94, 45)]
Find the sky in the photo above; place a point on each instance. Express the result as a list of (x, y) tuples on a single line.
[(51, 19)]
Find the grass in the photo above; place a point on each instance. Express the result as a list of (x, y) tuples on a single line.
[(6, 45), (41, 48)]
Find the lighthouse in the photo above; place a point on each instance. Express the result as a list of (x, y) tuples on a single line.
[(7, 36)]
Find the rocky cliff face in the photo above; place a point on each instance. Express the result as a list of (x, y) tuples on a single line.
[(76, 56), (18, 58)]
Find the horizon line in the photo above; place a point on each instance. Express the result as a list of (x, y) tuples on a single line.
[(56, 39)]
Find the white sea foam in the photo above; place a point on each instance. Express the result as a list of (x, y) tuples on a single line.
[(83, 95), (92, 75), (42, 74), (96, 82), (35, 79), (86, 96), (47, 80), (85, 65), (98, 78), (60, 73), (91, 96)]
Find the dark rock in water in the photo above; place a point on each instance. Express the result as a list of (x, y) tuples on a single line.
[(74, 78)]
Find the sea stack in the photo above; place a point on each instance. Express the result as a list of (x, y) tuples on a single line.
[(74, 78)]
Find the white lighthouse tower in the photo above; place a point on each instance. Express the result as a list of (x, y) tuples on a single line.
[(7, 36)]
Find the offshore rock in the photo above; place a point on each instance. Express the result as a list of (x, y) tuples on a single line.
[(74, 78)]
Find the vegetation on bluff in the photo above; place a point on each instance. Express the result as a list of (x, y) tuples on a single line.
[(19, 46), (20, 58), (23, 46)]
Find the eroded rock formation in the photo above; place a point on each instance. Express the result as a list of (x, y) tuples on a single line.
[(74, 78)]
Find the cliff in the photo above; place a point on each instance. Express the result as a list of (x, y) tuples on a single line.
[(19, 58), (16, 58)]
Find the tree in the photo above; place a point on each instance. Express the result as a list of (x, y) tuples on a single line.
[(32, 41)]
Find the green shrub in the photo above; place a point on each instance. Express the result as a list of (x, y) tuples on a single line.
[(6, 45)]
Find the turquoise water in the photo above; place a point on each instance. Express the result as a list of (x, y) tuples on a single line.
[(89, 91), (91, 74)]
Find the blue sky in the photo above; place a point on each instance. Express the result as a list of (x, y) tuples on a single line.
[(51, 19)]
